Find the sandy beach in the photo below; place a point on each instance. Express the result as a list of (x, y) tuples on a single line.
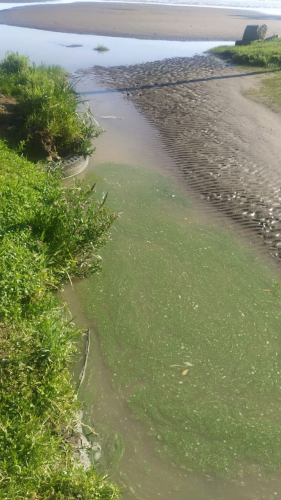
[(140, 21)]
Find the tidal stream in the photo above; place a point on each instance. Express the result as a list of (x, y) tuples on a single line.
[(182, 286), (182, 380)]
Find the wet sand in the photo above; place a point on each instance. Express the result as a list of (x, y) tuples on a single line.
[(140, 21), (226, 147)]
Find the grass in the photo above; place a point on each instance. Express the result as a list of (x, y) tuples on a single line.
[(179, 294), (101, 48), (47, 235), (268, 92), (271, 92), (262, 54), (48, 121)]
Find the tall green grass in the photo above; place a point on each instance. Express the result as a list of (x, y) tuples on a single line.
[(49, 110), (47, 235)]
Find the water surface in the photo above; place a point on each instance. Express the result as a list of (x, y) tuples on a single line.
[(178, 288), (184, 364), (55, 48)]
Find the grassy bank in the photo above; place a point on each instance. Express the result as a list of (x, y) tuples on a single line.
[(189, 326), (46, 120), (47, 235), (262, 54)]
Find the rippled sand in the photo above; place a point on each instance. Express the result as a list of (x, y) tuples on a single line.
[(226, 147)]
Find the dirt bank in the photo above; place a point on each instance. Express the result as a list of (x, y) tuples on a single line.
[(226, 147), (140, 21)]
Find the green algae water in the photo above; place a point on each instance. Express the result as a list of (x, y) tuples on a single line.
[(188, 323)]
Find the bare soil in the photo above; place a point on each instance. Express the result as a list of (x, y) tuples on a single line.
[(8, 116)]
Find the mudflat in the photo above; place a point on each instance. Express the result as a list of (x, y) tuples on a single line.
[(140, 21), (226, 146)]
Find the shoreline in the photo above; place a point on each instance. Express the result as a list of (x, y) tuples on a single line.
[(155, 22)]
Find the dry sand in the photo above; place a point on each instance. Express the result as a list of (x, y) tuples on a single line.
[(140, 21)]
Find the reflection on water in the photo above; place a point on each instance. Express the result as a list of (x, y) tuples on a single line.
[(53, 48)]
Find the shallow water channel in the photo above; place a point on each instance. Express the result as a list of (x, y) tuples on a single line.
[(182, 379), (73, 51)]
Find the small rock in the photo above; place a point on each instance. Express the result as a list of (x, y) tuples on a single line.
[(97, 456)]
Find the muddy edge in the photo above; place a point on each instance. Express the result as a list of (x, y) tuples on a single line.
[(217, 136)]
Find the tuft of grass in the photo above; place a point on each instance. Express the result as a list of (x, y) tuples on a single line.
[(260, 53), (49, 121), (14, 64), (62, 227), (47, 235), (101, 48)]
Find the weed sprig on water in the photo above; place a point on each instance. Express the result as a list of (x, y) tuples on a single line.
[(47, 234), (101, 48), (50, 122)]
